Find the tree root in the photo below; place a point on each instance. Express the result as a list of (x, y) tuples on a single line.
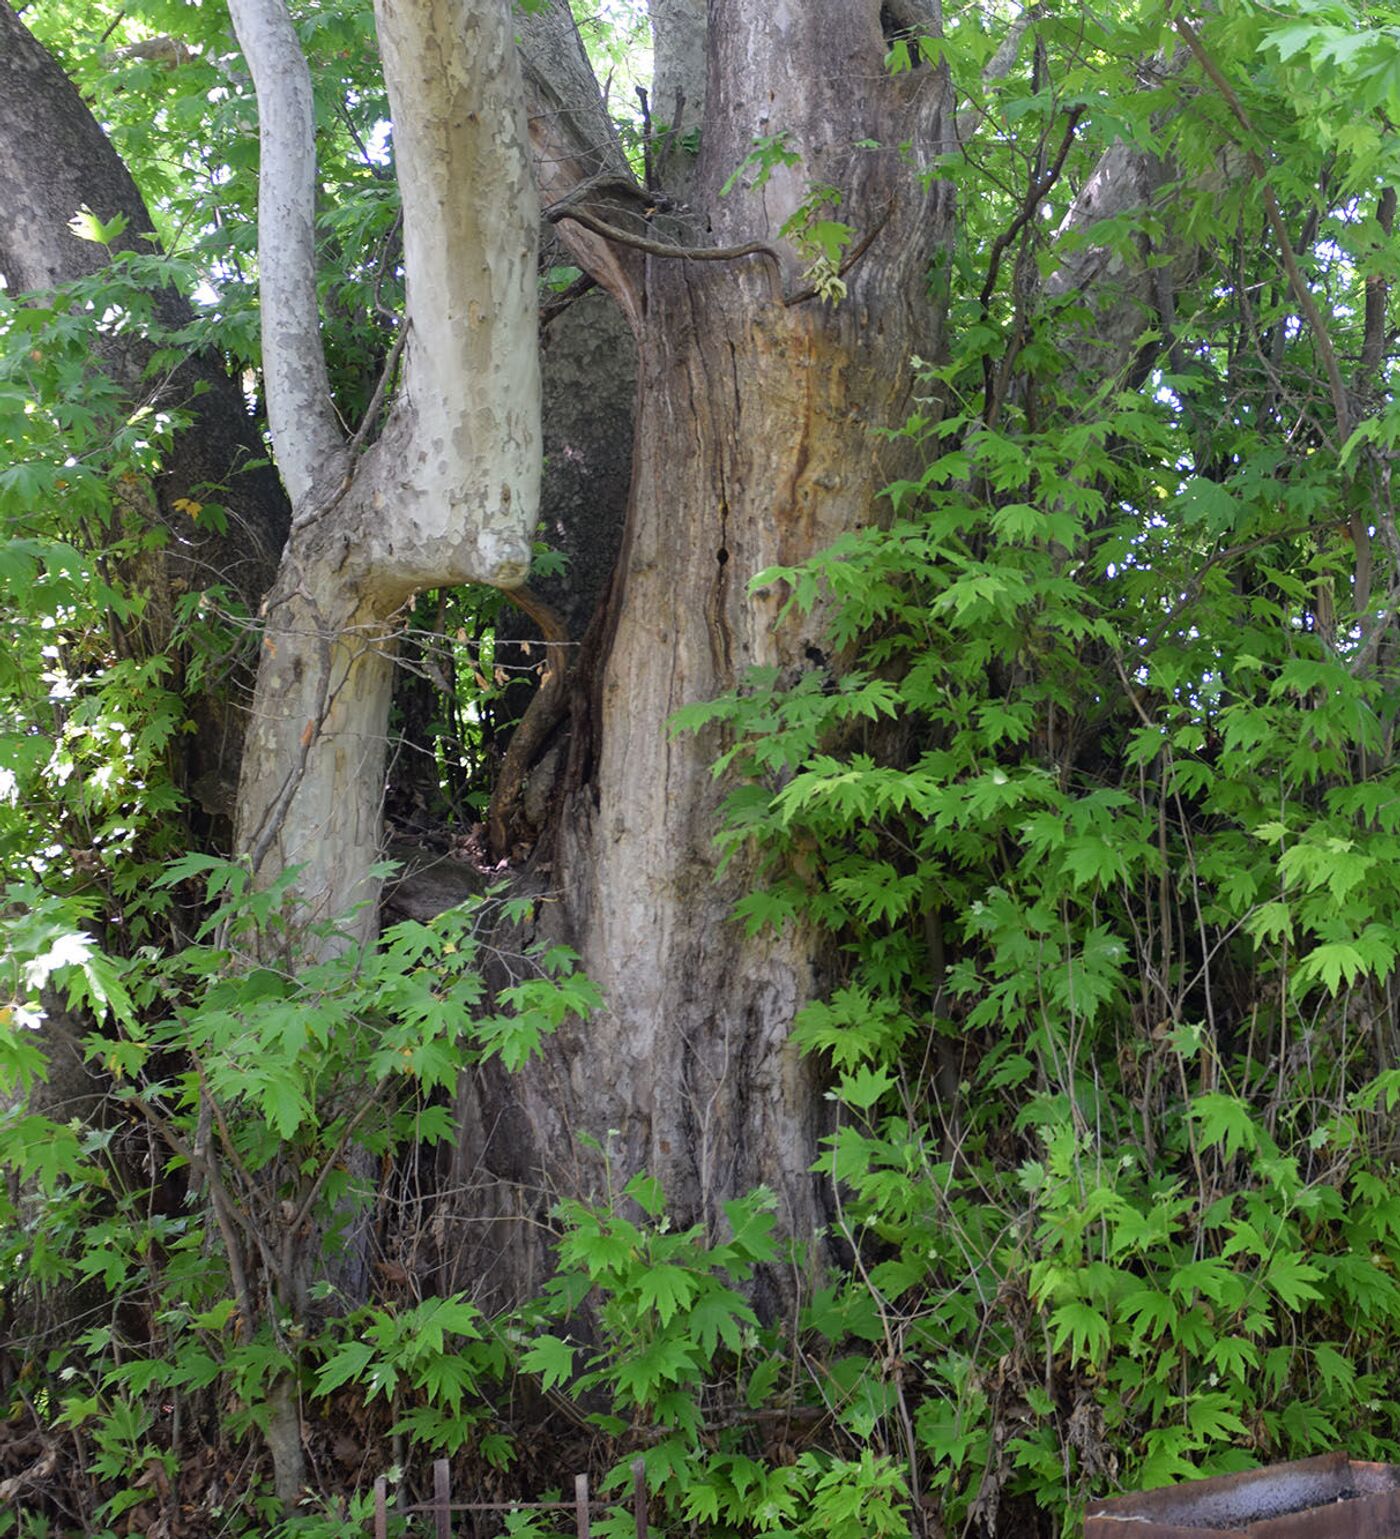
[(545, 711)]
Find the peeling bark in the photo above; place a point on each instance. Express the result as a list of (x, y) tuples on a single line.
[(449, 494)]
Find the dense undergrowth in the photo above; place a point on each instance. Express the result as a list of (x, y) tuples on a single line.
[(1095, 799)]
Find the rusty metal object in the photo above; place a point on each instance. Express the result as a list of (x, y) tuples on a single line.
[(1331, 1497)]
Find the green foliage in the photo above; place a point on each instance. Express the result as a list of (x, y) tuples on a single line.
[(269, 1095), (1089, 792), (1097, 808)]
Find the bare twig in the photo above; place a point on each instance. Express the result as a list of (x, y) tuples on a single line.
[(661, 248), (553, 308), (319, 510), (391, 363), (1037, 190), (1296, 282), (1359, 528), (856, 253)]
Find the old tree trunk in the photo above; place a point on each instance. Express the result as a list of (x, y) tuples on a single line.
[(762, 419), (758, 441), (766, 390), (759, 412)]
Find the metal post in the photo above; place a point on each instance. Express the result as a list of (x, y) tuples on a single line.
[(639, 1497), (581, 1504), (442, 1499)]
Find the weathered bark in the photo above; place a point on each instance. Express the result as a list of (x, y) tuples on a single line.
[(757, 443), (577, 155), (678, 79), (678, 90), (328, 663)]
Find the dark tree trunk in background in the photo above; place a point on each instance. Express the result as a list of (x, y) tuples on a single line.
[(55, 159), (588, 366)]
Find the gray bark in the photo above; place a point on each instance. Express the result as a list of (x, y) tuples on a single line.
[(756, 440), (679, 63), (589, 367), (299, 412), (678, 88), (577, 155)]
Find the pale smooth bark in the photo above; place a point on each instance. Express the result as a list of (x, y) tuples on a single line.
[(471, 222), (304, 429), (449, 492)]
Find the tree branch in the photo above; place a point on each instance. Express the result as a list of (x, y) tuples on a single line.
[(575, 143), (1377, 303), (305, 434), (661, 248), (470, 248), (1301, 293), (1341, 408), (1035, 193)]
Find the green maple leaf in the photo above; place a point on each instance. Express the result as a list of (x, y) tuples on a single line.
[(552, 1359), (1083, 1327), (666, 1289), (1292, 1279)]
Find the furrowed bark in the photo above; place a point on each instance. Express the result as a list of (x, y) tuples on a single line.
[(757, 444)]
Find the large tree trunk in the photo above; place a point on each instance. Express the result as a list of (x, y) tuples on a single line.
[(757, 443)]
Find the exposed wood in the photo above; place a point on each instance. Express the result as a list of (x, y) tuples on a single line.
[(581, 1505), (442, 1498)]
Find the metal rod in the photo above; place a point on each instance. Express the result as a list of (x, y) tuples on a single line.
[(442, 1499), (595, 1504), (639, 1497), (581, 1504)]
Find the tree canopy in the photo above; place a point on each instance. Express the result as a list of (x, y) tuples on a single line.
[(860, 968)]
